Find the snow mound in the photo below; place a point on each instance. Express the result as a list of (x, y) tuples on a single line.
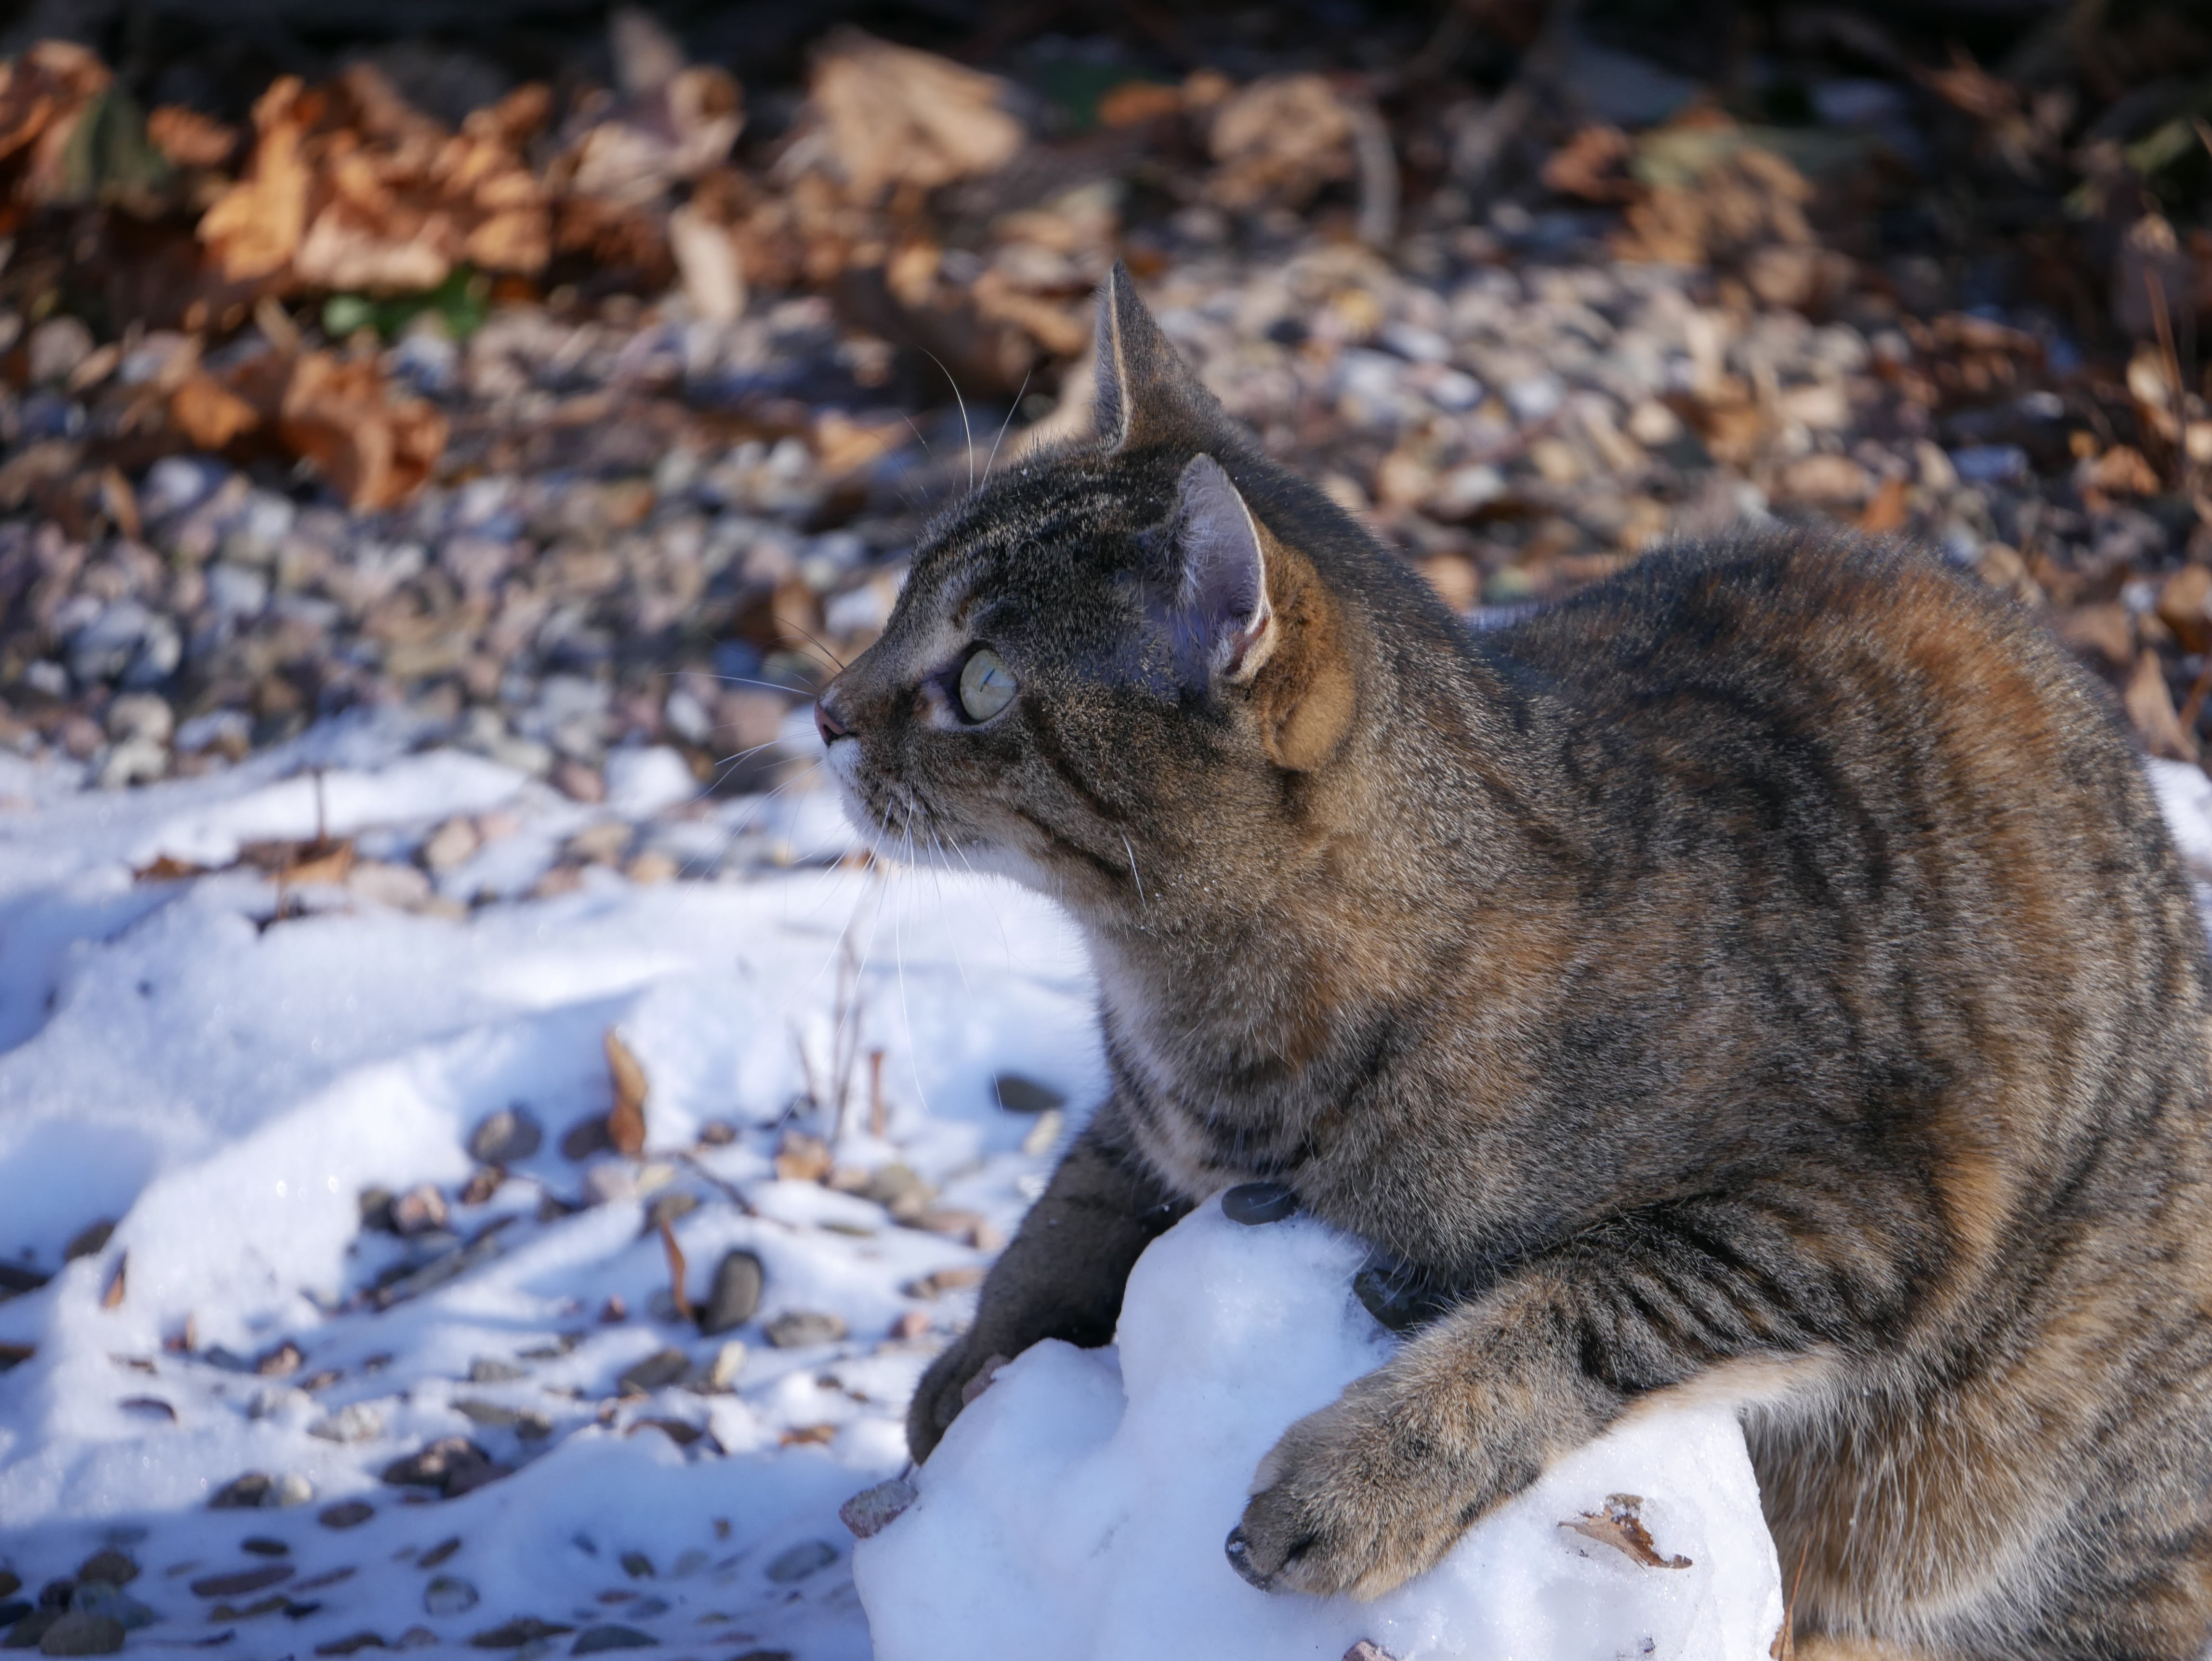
[(1078, 1508)]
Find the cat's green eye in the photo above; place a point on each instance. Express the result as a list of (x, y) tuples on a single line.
[(986, 685)]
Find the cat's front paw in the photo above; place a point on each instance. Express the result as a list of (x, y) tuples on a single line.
[(1359, 1498)]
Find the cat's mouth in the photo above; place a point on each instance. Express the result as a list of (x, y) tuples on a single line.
[(897, 819)]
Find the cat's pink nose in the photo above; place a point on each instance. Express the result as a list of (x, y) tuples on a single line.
[(827, 724)]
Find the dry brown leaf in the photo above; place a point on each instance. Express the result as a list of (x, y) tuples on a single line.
[(2184, 605), (633, 154), (186, 138), (1278, 141), (802, 1159), (44, 93), (2122, 471), (2150, 707), (678, 1269), (322, 861), (254, 228), (209, 414), (895, 117), (376, 450), (1620, 1525), (1887, 512), (626, 1123), (1592, 165), (1135, 102), (112, 1298)]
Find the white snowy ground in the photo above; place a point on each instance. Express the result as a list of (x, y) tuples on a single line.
[(219, 1065), (223, 1086)]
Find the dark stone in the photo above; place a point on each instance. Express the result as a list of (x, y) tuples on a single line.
[(1017, 1094), (262, 1545), (10, 1583), (587, 1137), (79, 1632), (453, 1464), (637, 1565), (100, 1598), (111, 1565), (439, 1553), (796, 1328), (593, 1640), (353, 1643), (346, 1514), (55, 1594), (245, 1580), (246, 1493), (795, 1563), (17, 1278), (735, 1296), (13, 1610), (662, 1367), (506, 1136), (523, 1629), (92, 1238), (1252, 1203), (29, 1630), (871, 1510)]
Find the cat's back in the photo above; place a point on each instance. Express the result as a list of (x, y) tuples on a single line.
[(1866, 678)]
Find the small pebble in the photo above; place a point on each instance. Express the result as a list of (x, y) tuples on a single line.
[(735, 1296), (346, 1514), (593, 1640), (1252, 1203), (262, 1545), (870, 1511), (82, 1633), (661, 1368), (796, 1329), (439, 1553), (523, 1630), (795, 1563), (1018, 1094), (504, 1137), (352, 1644), (448, 1594), (242, 1582), (109, 1565)]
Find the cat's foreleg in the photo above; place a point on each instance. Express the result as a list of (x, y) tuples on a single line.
[(1376, 1488), (1062, 1275)]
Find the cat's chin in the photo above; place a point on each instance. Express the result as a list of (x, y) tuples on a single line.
[(973, 859)]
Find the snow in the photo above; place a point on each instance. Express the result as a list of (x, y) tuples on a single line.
[(1077, 1507), (220, 1065), (223, 1082)]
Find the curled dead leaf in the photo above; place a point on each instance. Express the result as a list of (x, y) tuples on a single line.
[(113, 1297), (375, 449), (209, 414), (45, 93), (254, 228), (1278, 141), (626, 1123), (893, 117), (186, 138), (1620, 1525)]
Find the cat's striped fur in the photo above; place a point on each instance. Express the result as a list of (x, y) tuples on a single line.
[(1764, 976)]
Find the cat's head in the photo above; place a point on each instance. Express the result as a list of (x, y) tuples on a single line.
[(1106, 670)]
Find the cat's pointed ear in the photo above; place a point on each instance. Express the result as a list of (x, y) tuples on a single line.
[(1224, 628), (1146, 394)]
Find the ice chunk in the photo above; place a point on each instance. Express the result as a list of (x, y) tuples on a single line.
[(1078, 1508)]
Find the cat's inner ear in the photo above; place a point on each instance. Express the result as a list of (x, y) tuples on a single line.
[(1145, 393), (1225, 628)]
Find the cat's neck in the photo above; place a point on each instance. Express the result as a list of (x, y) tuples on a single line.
[(1377, 880)]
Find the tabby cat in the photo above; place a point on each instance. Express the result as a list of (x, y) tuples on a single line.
[(1763, 977)]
